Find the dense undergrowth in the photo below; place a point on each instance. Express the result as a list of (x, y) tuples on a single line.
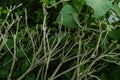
[(59, 40)]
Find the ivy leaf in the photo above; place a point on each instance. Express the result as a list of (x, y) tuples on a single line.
[(114, 34), (20, 53), (100, 7), (24, 66), (78, 4), (53, 2), (116, 8), (3, 73), (9, 43), (66, 17)]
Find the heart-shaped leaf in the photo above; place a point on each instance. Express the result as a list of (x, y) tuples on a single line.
[(66, 17), (100, 7)]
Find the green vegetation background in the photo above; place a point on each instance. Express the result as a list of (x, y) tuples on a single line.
[(85, 13)]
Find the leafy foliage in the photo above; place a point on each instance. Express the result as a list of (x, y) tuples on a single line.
[(100, 7), (59, 39), (66, 17)]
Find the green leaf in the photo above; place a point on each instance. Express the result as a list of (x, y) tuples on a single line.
[(103, 76), (117, 1), (1, 8), (116, 8), (100, 7), (10, 42), (3, 73), (44, 1), (5, 11), (53, 2), (6, 60), (114, 34), (0, 13), (82, 68), (66, 17), (112, 59), (30, 77), (20, 53), (78, 4), (25, 65)]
